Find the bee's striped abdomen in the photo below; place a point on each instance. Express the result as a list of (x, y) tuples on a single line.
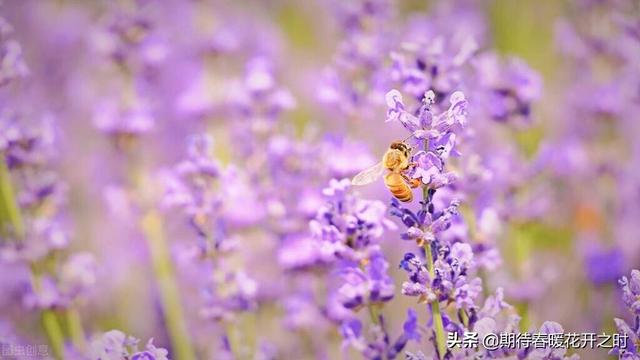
[(398, 187)]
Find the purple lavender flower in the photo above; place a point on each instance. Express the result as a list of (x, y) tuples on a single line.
[(351, 85), (115, 345), (260, 232), (366, 286), (631, 292), (376, 344), (229, 292), (347, 227), (429, 60), (427, 125), (129, 38), (346, 232), (12, 65), (122, 121), (508, 87), (603, 265), (194, 186)]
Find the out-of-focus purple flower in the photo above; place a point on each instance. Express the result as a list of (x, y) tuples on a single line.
[(494, 304), (366, 287), (631, 298), (230, 292), (117, 120), (27, 143), (509, 87), (347, 157), (466, 292), (347, 227), (462, 254), (194, 186), (549, 353), (302, 312), (410, 331), (129, 38), (375, 344), (116, 345), (71, 282), (428, 60), (12, 64), (351, 332), (78, 275), (631, 291), (630, 351), (29, 152), (257, 99), (351, 84), (603, 265)]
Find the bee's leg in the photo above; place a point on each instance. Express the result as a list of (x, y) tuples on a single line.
[(414, 183), (412, 165)]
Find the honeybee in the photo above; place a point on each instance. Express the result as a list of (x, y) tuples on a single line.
[(396, 161)]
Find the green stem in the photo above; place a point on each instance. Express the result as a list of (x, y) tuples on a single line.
[(76, 332), (232, 338), (50, 323), (54, 332), (523, 311), (10, 217), (373, 313), (438, 326), (169, 292), (464, 317), (482, 274), (522, 243)]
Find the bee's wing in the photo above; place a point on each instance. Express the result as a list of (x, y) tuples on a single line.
[(368, 175)]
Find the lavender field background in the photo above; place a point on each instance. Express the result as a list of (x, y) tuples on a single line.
[(175, 178)]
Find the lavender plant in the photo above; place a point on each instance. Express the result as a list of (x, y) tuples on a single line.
[(630, 290), (180, 171)]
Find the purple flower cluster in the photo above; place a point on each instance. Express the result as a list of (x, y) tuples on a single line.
[(346, 236), (13, 66), (449, 272), (252, 242), (631, 298), (197, 186), (116, 345), (346, 227), (352, 84)]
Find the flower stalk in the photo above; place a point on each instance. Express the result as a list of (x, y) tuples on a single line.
[(232, 342), (167, 286), (54, 332), (49, 320), (373, 313), (76, 332), (371, 308), (11, 218), (438, 326)]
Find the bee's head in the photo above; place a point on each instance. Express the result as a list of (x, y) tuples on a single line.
[(401, 146)]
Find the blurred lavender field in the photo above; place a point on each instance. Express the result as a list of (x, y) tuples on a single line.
[(175, 179)]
